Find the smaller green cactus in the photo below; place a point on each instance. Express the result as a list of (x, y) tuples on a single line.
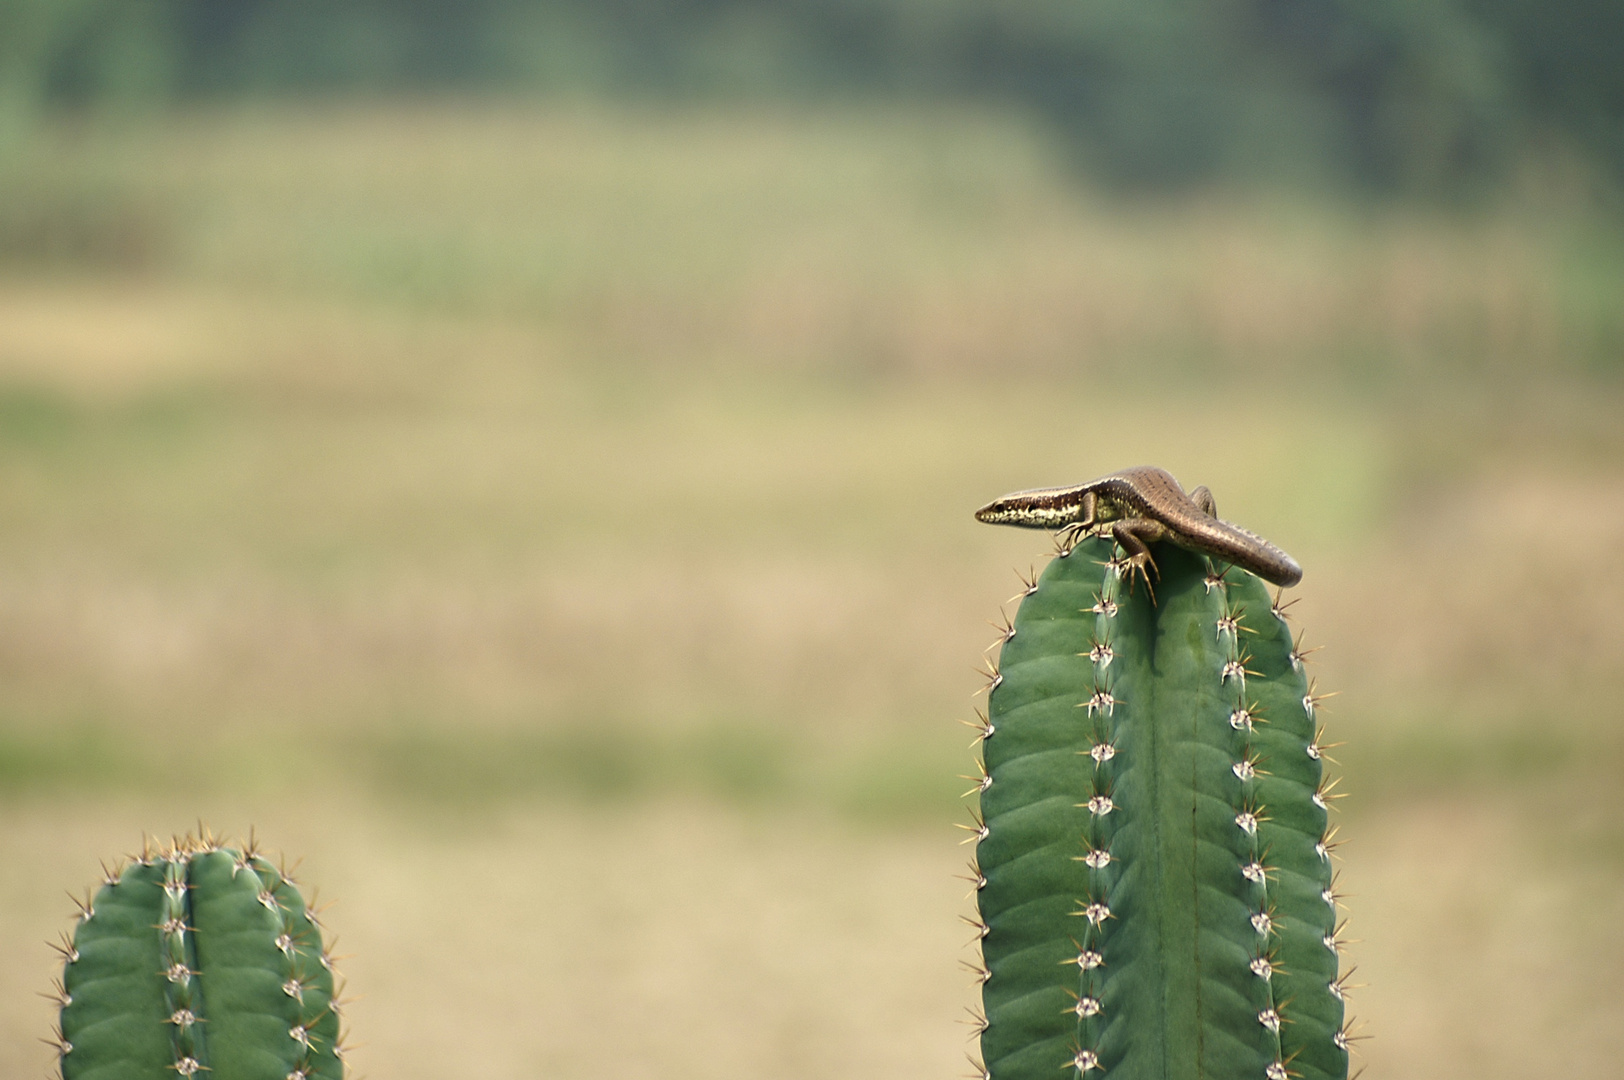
[(197, 957)]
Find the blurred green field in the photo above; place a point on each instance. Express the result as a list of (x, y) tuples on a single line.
[(556, 525)]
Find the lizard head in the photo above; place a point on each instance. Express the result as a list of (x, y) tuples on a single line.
[(1041, 508)]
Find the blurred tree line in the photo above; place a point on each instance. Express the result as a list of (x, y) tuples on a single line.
[(1435, 95)]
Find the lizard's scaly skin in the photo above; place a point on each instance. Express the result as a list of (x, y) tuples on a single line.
[(1144, 504)]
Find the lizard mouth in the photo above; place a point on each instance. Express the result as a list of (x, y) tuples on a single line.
[(992, 513)]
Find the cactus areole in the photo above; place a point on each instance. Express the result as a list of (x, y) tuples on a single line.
[(1155, 889), (197, 959)]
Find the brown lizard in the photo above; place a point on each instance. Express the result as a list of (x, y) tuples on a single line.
[(1141, 506)]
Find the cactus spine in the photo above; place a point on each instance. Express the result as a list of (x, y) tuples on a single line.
[(197, 958), (1154, 884)]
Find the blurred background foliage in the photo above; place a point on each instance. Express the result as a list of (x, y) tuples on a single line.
[(520, 457), (1422, 95)]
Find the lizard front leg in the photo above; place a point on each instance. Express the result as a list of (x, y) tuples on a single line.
[(1088, 506), (1133, 534)]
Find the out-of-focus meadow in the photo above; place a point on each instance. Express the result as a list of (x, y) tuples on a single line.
[(552, 521)]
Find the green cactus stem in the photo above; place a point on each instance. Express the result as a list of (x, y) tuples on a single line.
[(197, 958), (1153, 865)]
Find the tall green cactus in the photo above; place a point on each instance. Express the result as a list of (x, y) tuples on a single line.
[(1153, 863), (197, 958)]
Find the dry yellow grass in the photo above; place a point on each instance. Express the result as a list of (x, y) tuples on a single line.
[(687, 940), (571, 942)]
